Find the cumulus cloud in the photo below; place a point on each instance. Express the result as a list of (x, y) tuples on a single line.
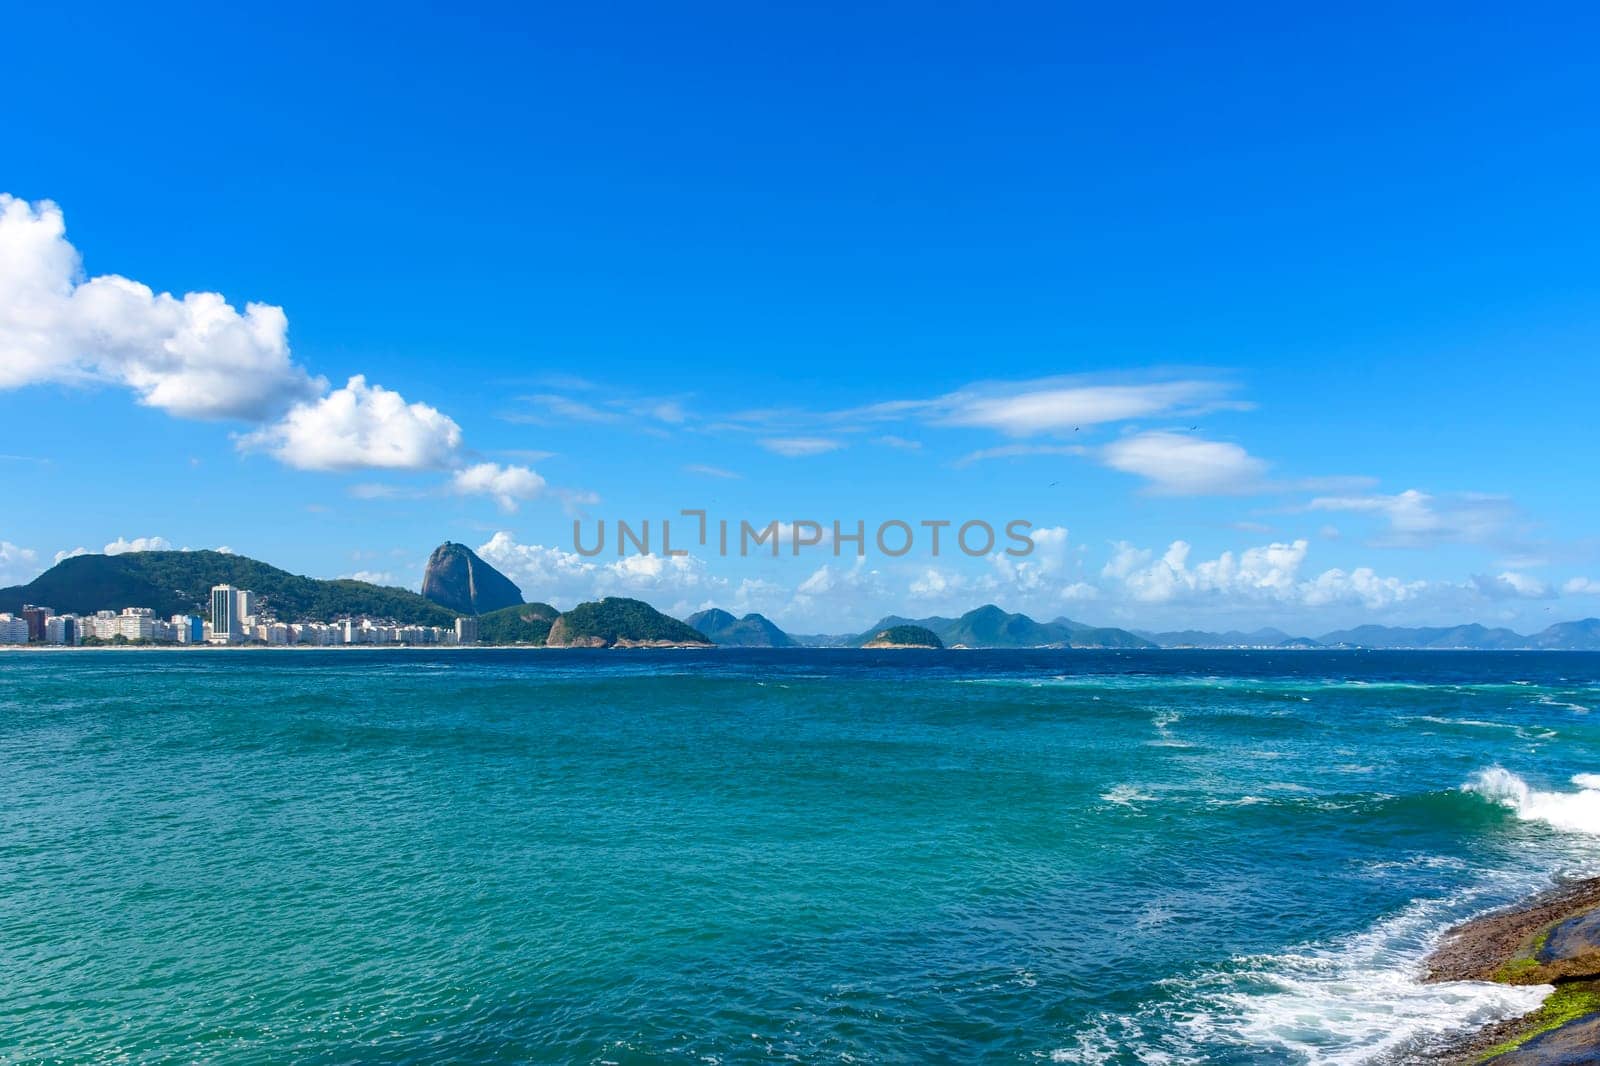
[(794, 447), (358, 427), (1581, 586), (194, 356), (679, 585), (508, 485), (138, 544), (17, 564), (1269, 574), (373, 577), (1176, 464)]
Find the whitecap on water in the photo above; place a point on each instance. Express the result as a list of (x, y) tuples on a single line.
[(1126, 796), (1575, 812), (1329, 1005)]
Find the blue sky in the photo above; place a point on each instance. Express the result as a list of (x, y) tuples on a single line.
[(1312, 296)]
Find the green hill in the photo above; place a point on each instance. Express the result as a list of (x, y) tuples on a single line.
[(617, 621), (526, 623), (751, 631), (173, 582), (904, 637)]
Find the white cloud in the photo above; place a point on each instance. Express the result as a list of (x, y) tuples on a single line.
[(711, 471), (17, 564), (794, 447), (373, 577), (1418, 519), (555, 407), (845, 591), (889, 440), (1581, 586), (194, 356), (1269, 574), (1053, 405), (678, 585), (1512, 585), (508, 485), (1040, 407), (137, 544), (374, 490), (359, 427), (1015, 451), (1176, 464)]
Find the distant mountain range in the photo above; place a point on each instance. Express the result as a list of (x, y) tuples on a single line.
[(990, 627), (1582, 635)]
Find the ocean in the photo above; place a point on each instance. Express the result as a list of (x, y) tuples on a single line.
[(505, 856)]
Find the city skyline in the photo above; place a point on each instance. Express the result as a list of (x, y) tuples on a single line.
[(966, 298)]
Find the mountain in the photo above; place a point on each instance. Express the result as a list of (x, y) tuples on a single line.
[(751, 631), (619, 622), (1080, 635), (1233, 638), (904, 637), (825, 640), (1474, 636), (990, 627), (525, 623), (1582, 635), (460, 581), (175, 582)]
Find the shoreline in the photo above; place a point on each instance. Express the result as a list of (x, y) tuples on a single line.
[(1551, 938)]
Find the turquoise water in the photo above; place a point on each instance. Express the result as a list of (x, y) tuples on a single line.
[(498, 856)]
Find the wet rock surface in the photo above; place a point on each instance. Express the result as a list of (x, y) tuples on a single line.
[(1552, 939), (1572, 939), (1575, 1044)]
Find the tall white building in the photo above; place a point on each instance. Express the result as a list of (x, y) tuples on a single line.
[(230, 609), (13, 630)]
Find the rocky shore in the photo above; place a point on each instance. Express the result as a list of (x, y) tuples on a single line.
[(1552, 939)]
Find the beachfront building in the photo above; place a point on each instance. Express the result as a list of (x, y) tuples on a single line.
[(188, 629), (138, 623), (316, 634), (13, 630), (466, 630), (35, 616), (63, 629), (231, 609)]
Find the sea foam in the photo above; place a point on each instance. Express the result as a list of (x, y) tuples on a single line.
[(1573, 812), (1350, 1001)]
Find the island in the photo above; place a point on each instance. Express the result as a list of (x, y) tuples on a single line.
[(619, 622), (905, 637)]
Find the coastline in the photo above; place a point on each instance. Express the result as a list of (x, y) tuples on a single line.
[(1552, 938)]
